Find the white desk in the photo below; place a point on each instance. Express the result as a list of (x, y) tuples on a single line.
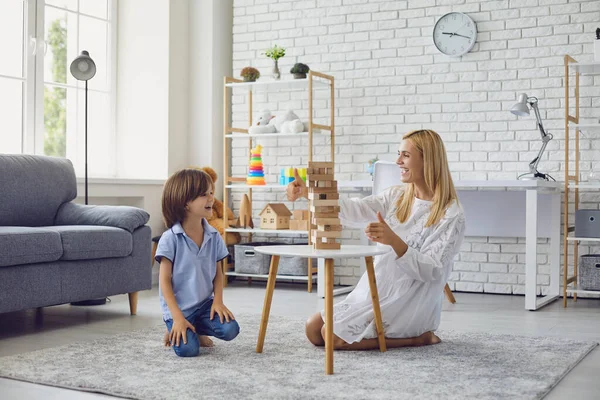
[(511, 208), (328, 255)]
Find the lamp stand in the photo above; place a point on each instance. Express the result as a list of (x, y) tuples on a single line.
[(533, 173), (101, 301)]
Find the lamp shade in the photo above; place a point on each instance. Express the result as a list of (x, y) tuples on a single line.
[(521, 108), (83, 67)]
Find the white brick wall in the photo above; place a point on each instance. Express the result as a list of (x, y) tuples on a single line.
[(390, 79)]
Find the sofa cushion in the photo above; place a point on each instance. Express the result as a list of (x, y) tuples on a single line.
[(84, 242), (33, 187), (25, 245)]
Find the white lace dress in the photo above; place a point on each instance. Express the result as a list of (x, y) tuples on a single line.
[(411, 287)]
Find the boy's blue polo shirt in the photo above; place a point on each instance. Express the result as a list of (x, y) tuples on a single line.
[(194, 269)]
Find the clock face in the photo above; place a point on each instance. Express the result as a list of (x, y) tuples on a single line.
[(454, 34)]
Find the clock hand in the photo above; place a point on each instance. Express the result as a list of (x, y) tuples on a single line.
[(448, 33), (456, 34)]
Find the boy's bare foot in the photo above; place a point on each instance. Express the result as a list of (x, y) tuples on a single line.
[(429, 338), (205, 341)]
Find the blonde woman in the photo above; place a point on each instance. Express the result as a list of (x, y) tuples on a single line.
[(423, 225)]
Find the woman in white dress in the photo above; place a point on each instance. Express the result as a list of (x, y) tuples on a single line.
[(422, 225)]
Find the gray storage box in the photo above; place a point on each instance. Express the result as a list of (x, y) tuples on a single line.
[(587, 223), (249, 261), (589, 272)]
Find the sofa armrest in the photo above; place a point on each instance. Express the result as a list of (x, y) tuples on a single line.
[(124, 217)]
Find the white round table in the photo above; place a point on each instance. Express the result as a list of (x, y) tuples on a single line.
[(307, 251)]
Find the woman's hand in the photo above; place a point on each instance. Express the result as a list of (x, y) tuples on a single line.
[(222, 311), (179, 329), (381, 232), (296, 188)]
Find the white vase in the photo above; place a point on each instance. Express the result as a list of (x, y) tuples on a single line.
[(597, 50)]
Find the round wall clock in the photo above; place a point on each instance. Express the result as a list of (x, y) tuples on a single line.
[(454, 34)]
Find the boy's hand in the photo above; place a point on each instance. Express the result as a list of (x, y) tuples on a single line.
[(222, 311), (179, 330)]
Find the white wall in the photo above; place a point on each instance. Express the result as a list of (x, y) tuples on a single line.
[(142, 89), (210, 46), (390, 79)]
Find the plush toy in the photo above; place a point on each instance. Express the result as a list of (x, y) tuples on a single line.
[(293, 126), (287, 122), (263, 123), (216, 220), (279, 120)]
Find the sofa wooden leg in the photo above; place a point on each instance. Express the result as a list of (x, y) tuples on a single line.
[(133, 298)]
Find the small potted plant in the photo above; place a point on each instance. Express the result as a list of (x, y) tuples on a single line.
[(299, 71), (250, 74), (275, 53)]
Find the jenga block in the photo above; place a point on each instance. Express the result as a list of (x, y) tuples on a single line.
[(322, 190), (326, 234), (323, 196), (319, 164), (327, 246), (322, 210), (329, 227), (320, 177), (326, 215), (318, 203), (326, 221), (300, 214)]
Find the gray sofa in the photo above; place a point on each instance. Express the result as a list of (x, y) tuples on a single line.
[(53, 251)]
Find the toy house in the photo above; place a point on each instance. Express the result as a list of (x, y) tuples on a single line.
[(275, 216)]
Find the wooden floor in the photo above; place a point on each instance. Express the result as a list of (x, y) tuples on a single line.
[(25, 331)]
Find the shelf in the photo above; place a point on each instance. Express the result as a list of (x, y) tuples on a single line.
[(282, 277), (585, 126), (274, 135), (578, 291), (582, 239), (584, 185), (258, 230), (367, 184), (279, 85), (586, 68)]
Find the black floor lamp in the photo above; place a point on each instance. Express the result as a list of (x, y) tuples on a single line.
[(83, 68)]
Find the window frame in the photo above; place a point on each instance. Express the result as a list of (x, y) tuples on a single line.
[(34, 44)]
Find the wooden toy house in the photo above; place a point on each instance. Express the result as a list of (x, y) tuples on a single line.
[(275, 216)]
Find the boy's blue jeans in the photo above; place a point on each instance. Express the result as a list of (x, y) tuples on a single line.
[(200, 318)]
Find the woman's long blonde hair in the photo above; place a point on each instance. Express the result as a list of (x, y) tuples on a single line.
[(437, 176)]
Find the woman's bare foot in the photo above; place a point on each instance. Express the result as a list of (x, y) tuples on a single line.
[(428, 338), (205, 341)]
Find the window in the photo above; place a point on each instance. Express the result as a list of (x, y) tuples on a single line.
[(42, 106)]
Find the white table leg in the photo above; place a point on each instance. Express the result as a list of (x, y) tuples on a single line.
[(555, 247), (531, 204)]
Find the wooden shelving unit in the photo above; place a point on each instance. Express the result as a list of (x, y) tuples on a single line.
[(314, 80), (572, 179)]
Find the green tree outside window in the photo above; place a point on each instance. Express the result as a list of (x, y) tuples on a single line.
[(55, 118)]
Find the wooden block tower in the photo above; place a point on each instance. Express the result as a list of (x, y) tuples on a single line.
[(324, 197)]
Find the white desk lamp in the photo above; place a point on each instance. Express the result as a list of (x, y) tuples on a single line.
[(521, 109)]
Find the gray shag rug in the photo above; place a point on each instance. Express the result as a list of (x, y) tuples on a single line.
[(464, 366)]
